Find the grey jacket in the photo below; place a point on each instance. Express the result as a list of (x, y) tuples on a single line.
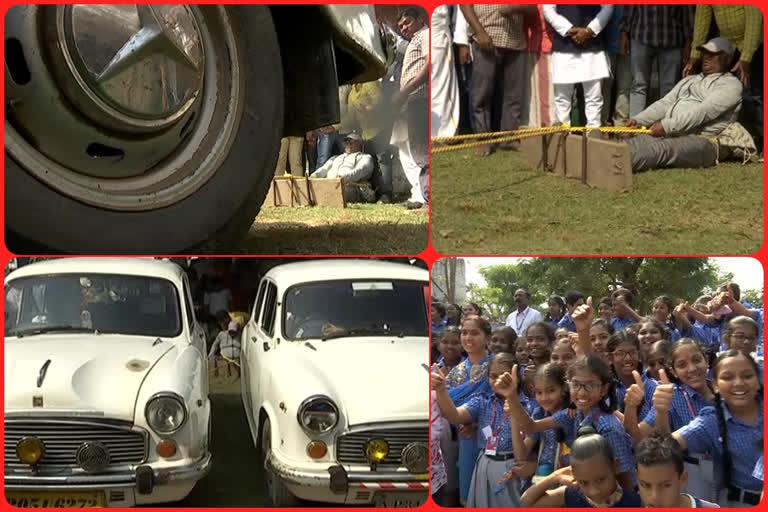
[(698, 104)]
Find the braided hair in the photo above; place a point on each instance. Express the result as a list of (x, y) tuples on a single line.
[(727, 459)]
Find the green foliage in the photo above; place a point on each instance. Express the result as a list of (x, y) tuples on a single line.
[(754, 297), (647, 278), (490, 299)]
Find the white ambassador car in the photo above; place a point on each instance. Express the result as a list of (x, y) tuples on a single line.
[(106, 384), (334, 383)]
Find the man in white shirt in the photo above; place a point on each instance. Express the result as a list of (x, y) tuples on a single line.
[(353, 167), (524, 316)]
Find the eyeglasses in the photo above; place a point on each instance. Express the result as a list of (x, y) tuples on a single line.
[(741, 338), (589, 387), (633, 354)]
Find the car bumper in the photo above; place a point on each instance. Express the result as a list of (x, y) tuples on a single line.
[(143, 478), (334, 484)]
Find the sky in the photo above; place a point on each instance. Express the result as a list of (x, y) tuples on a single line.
[(747, 272)]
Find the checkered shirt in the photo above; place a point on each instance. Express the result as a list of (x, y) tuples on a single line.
[(649, 386), (505, 31), (608, 426), (658, 26), (702, 435), (742, 25), (416, 57), (679, 414), (480, 407)]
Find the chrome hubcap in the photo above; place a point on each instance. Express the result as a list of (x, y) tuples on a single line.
[(116, 105), (136, 67)]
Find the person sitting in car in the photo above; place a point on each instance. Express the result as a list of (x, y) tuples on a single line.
[(355, 169)]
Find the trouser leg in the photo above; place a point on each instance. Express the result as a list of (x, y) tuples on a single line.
[(563, 97), (593, 103), (483, 78), (690, 151), (641, 73)]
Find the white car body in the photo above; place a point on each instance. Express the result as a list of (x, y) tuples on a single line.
[(378, 384), (95, 389)]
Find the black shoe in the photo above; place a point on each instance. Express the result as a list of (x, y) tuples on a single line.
[(384, 199)]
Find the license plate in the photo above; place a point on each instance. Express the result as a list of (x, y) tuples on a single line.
[(411, 499), (87, 499)]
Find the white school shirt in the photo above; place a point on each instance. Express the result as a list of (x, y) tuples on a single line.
[(520, 321)]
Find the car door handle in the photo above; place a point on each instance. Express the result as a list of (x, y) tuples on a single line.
[(253, 339), (266, 346)]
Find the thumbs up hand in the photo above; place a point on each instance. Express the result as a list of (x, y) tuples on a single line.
[(635, 394), (506, 385), (662, 397), (438, 378), (583, 316)]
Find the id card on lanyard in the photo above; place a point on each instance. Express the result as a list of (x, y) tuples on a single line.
[(492, 435)]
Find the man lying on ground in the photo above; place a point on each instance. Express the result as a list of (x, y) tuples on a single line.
[(704, 104)]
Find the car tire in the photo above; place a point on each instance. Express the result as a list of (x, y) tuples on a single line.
[(209, 219), (278, 494)]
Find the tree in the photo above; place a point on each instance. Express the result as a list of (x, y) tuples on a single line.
[(490, 300), (754, 297), (646, 278)]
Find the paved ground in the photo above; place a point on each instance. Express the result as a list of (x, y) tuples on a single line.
[(236, 478)]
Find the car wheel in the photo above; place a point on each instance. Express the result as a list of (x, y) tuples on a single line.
[(139, 129), (278, 494)]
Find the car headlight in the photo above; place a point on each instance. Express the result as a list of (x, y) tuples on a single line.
[(166, 413), (318, 415)]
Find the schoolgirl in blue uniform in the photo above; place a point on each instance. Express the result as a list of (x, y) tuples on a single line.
[(592, 391), (551, 392), (649, 331), (662, 313), (498, 456), (624, 348), (681, 395), (732, 429)]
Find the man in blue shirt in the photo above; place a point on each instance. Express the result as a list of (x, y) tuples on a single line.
[(623, 314), (573, 299)]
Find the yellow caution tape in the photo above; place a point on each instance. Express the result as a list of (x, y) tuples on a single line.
[(489, 138)]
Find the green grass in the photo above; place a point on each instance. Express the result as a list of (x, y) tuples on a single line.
[(356, 229), (495, 205)]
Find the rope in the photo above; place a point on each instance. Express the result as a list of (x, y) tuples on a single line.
[(489, 138), (443, 149)]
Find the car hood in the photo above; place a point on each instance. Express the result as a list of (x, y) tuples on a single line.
[(371, 379), (93, 374)]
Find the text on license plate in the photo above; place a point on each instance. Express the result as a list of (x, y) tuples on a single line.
[(399, 499), (31, 499)]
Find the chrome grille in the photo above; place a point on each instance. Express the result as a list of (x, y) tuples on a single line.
[(62, 438), (350, 447)]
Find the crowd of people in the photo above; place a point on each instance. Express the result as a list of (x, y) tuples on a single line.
[(691, 74), (383, 124), (592, 404)]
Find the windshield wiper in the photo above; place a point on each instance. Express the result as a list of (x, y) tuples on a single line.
[(362, 331), (51, 328)]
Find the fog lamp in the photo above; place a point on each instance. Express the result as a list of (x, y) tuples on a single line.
[(30, 450), (376, 450)]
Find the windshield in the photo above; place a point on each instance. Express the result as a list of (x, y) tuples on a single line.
[(355, 308), (92, 302)]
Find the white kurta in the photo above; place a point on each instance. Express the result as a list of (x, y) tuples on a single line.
[(575, 68), (445, 84)]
